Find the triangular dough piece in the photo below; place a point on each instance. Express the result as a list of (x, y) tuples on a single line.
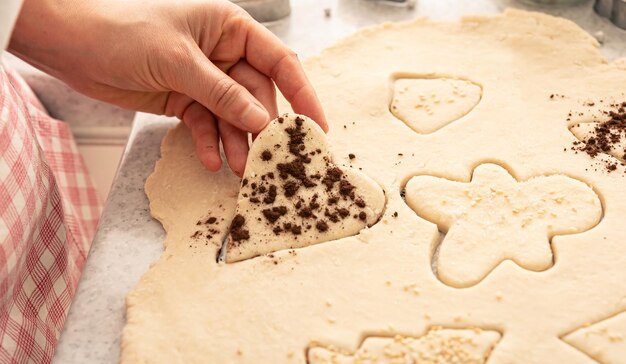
[(292, 195), (437, 346), (604, 341)]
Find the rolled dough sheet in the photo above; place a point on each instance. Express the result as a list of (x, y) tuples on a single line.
[(379, 283)]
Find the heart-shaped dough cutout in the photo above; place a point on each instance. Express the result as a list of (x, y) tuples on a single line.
[(428, 104), (292, 195)]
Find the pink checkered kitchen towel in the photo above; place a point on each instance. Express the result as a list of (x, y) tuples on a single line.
[(49, 210)]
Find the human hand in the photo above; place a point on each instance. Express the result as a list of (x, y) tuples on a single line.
[(206, 62)]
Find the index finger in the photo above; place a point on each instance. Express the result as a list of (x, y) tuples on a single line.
[(266, 53)]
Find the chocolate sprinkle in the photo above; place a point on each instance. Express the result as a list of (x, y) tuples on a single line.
[(333, 175), (274, 213), (290, 188), (297, 170), (606, 135), (271, 195), (266, 155), (321, 225), (237, 230)]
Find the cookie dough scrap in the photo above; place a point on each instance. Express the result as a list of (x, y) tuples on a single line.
[(495, 217), (428, 104), (604, 341), (437, 346), (293, 195)]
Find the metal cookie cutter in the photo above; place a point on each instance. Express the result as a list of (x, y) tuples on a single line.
[(612, 9)]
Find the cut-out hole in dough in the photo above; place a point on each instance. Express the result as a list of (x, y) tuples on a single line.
[(428, 104), (292, 195), (604, 341), (495, 218), (438, 345)]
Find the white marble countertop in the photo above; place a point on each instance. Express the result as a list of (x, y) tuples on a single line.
[(128, 239)]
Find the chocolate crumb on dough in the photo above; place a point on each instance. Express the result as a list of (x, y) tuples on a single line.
[(605, 136), (306, 212), (351, 156), (290, 188), (346, 189), (266, 155), (343, 212), (274, 213), (237, 230), (211, 220), (333, 175), (362, 215), (297, 170), (333, 217), (321, 225), (395, 214), (271, 195)]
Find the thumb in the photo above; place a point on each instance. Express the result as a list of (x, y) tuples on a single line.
[(227, 99)]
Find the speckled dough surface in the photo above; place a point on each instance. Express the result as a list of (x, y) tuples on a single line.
[(515, 147)]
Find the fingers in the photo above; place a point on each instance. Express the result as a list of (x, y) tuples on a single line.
[(205, 135), (177, 104), (222, 95), (259, 85), (236, 147), (266, 53), (202, 123)]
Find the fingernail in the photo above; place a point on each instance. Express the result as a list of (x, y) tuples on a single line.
[(254, 118)]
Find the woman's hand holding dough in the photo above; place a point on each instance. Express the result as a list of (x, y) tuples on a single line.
[(206, 62)]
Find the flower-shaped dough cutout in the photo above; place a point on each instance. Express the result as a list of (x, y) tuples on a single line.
[(428, 104), (494, 218), (604, 341), (292, 195), (438, 345)]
